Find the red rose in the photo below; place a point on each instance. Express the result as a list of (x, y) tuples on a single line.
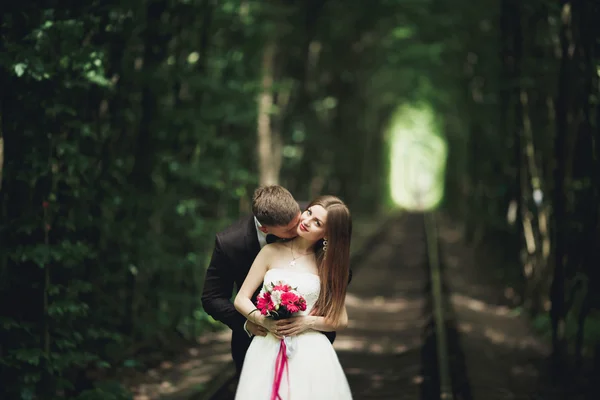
[(45, 204)]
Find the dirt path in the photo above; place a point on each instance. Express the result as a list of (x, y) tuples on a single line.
[(504, 359)]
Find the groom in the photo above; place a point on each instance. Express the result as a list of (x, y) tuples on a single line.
[(276, 216)]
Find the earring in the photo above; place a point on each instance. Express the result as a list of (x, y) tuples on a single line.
[(324, 248)]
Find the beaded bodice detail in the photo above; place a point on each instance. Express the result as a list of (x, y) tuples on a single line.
[(307, 284)]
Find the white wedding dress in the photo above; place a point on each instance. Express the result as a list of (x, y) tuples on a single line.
[(314, 370)]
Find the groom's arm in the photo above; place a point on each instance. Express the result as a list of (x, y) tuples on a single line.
[(218, 289)]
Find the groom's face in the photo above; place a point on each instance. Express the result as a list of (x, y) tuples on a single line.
[(286, 231)]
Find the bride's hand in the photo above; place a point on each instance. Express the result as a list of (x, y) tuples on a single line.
[(294, 326)]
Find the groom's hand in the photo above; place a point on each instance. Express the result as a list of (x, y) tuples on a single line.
[(256, 330)]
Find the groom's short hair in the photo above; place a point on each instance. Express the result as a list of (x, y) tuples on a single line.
[(274, 205)]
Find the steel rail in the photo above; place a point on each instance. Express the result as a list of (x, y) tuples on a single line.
[(443, 359)]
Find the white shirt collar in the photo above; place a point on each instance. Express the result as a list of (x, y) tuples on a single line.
[(262, 237)]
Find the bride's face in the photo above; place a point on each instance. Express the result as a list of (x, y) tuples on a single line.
[(312, 223)]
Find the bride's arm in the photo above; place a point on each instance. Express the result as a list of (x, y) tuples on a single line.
[(324, 324), (296, 325), (254, 279)]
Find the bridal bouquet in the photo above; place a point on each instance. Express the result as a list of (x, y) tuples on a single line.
[(279, 300)]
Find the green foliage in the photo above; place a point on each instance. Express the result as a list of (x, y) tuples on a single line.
[(109, 227), (522, 170), (591, 332)]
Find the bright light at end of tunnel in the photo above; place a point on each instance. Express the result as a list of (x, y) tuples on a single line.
[(418, 159)]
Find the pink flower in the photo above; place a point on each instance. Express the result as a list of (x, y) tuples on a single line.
[(302, 304), (291, 301), (282, 287), (292, 308), (264, 303)]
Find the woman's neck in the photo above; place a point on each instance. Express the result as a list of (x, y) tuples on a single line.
[(302, 246)]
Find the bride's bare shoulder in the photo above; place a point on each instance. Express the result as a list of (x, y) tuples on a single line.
[(275, 248), (278, 247)]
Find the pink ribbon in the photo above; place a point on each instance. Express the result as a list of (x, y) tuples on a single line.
[(281, 364)]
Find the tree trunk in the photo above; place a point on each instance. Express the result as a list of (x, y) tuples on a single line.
[(557, 293), (141, 175), (269, 146)]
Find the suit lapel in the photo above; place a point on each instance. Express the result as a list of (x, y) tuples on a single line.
[(252, 250)]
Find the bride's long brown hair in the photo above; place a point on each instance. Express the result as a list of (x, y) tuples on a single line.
[(334, 264)]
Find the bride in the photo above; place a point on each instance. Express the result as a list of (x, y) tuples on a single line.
[(317, 264)]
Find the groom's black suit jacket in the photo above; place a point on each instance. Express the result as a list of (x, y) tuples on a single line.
[(235, 250)]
